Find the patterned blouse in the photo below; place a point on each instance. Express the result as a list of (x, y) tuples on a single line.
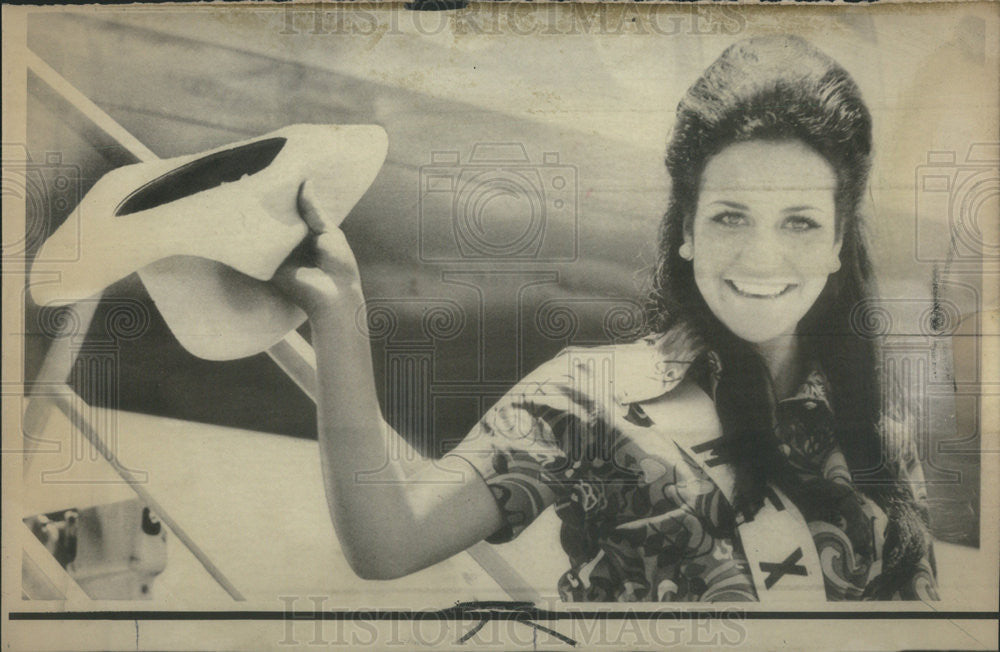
[(641, 520)]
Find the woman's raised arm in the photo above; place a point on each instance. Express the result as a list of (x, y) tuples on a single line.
[(392, 518)]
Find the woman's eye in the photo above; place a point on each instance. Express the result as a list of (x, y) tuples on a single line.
[(800, 223), (730, 219)]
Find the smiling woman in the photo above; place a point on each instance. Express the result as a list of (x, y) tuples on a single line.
[(770, 278), (735, 451), (763, 249)]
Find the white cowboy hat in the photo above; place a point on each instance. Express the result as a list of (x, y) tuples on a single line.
[(206, 231)]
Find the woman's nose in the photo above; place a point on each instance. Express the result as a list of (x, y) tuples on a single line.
[(761, 252)]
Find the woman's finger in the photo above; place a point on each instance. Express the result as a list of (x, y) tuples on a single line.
[(309, 208), (308, 287), (334, 254)]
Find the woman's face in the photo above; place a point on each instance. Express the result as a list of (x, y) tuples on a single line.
[(764, 239)]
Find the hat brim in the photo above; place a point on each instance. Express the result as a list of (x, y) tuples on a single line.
[(205, 232)]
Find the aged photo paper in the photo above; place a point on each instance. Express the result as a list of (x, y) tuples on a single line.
[(386, 326)]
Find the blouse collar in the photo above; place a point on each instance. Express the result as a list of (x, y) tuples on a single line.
[(654, 365)]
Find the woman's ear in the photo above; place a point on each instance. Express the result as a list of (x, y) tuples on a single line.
[(834, 264), (686, 250)]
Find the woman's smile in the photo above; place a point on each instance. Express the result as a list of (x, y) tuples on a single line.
[(758, 290), (764, 236)]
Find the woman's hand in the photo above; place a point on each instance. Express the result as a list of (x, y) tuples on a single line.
[(321, 273)]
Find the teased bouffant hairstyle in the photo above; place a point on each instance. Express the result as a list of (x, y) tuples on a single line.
[(780, 88)]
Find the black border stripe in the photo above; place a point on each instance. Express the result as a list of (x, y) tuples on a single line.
[(473, 614)]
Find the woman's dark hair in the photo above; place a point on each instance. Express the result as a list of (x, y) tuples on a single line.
[(782, 88)]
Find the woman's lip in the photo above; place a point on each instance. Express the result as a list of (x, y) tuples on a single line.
[(757, 290)]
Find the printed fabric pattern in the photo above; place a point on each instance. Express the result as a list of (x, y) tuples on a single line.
[(640, 520)]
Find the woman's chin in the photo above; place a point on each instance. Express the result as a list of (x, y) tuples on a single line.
[(760, 328), (761, 336)]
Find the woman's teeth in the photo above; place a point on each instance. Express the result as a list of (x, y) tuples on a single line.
[(759, 290)]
